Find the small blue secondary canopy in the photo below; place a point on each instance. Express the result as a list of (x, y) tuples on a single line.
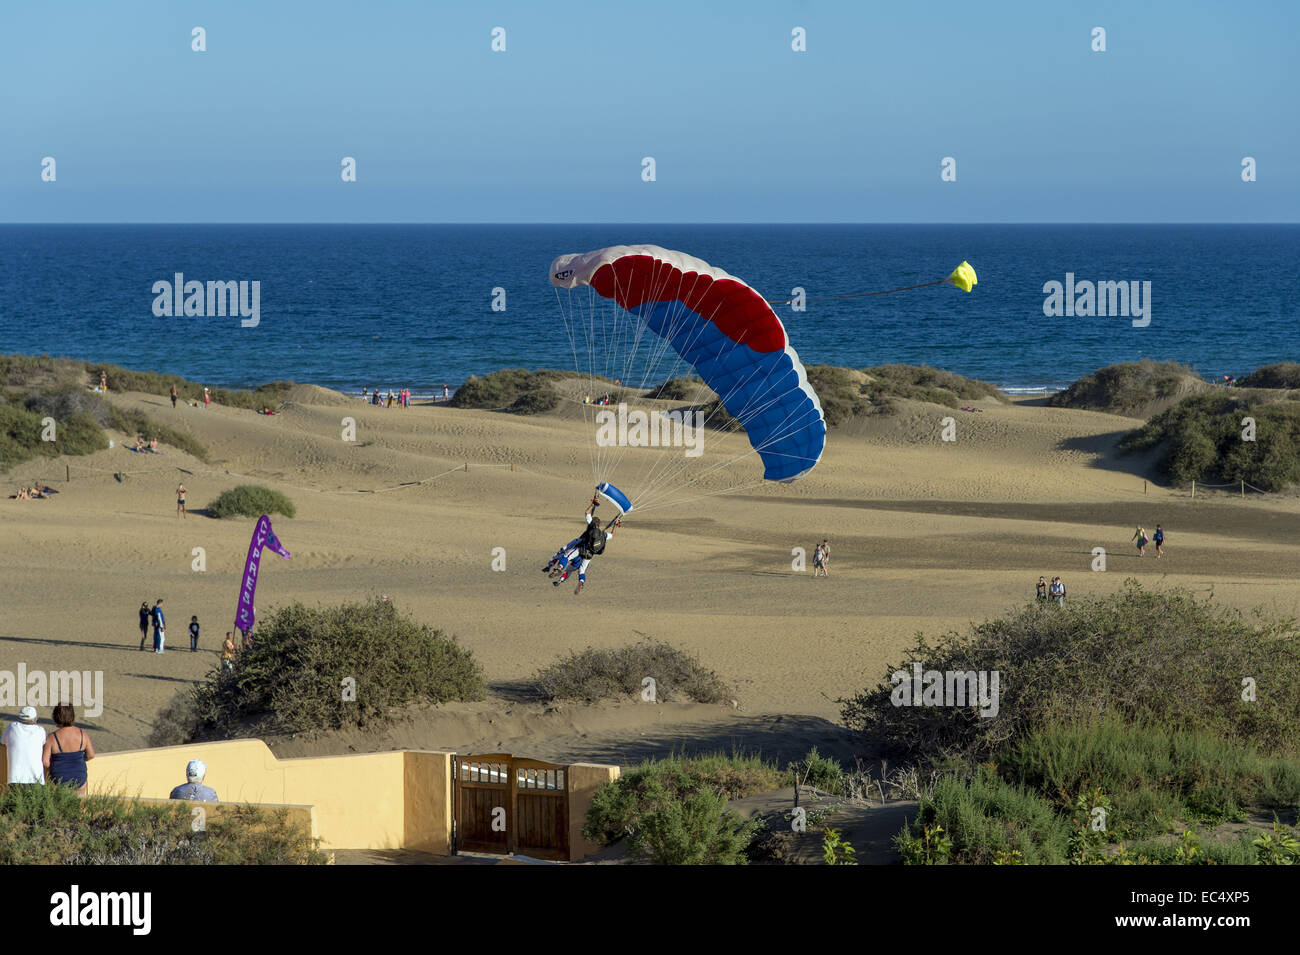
[(616, 497)]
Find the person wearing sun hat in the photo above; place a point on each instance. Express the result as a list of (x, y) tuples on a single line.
[(193, 787), (25, 743)]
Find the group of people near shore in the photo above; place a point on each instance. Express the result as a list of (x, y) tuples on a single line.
[(35, 757)]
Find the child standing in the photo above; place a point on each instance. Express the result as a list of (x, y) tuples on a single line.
[(194, 634)]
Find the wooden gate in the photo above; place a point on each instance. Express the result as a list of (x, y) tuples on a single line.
[(506, 804)]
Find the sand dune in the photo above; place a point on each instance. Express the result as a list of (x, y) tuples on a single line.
[(926, 535)]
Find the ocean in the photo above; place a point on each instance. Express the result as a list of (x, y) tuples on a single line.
[(380, 306)]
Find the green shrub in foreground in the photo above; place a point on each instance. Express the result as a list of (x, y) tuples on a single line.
[(52, 825), (672, 811), (1165, 657), (591, 674), (1151, 774), (290, 681), (984, 820), (250, 500)]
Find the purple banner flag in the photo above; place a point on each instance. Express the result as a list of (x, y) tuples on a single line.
[(263, 539)]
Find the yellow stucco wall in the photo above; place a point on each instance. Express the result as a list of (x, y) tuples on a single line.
[(364, 801), (393, 800), (584, 780)]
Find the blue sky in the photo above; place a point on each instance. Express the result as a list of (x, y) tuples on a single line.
[(742, 128)]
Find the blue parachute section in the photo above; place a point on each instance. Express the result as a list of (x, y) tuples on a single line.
[(767, 392), (616, 497)]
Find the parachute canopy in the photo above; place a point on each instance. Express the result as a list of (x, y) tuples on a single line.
[(616, 497), (727, 332)]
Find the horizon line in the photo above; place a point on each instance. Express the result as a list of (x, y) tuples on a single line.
[(745, 222)]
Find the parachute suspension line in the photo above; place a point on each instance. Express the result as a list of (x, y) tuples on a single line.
[(573, 344), (838, 298)]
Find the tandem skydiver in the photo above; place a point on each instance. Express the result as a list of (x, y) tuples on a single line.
[(579, 552)]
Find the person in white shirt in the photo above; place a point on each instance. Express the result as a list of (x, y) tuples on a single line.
[(25, 742)]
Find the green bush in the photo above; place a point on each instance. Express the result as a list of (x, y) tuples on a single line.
[(681, 389), (292, 679), (985, 820), (1163, 656), (21, 430), (1126, 387), (52, 825), (512, 389), (1202, 440), (590, 675), (535, 402), (1151, 774), (924, 383), (672, 812), (841, 397), (250, 500), (820, 772), (1284, 374)]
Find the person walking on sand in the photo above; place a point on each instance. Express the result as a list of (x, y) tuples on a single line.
[(821, 557), (1041, 591), (67, 750), (180, 500), (1159, 540), (144, 622), (228, 651), (159, 628), (207, 397), (174, 395), (1057, 591), (1140, 535), (103, 381), (194, 634)]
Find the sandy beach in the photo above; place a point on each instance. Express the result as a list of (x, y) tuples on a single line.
[(926, 535)]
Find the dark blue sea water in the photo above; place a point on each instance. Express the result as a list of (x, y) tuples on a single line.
[(389, 306)]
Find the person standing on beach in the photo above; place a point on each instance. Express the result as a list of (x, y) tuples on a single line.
[(194, 634), (1159, 541), (103, 381), (159, 628), (180, 500), (1140, 535), (446, 392), (144, 622), (174, 395)]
